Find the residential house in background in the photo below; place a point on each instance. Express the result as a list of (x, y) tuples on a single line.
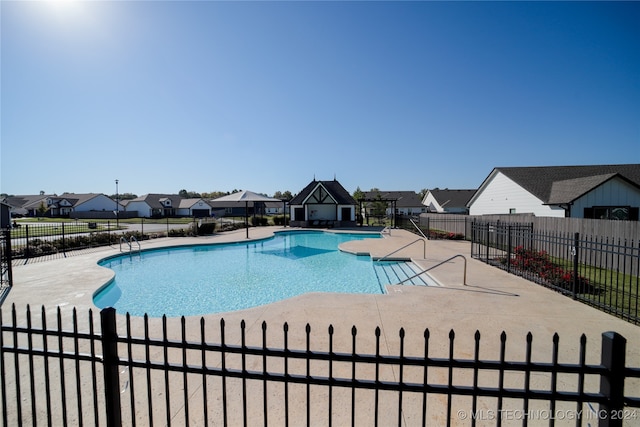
[(198, 208), (597, 191), (168, 205), (323, 203), (154, 205), (404, 202), (64, 205), (447, 201), (27, 205), (274, 208), (67, 204)]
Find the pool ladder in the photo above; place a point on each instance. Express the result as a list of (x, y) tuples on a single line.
[(129, 243), (424, 249)]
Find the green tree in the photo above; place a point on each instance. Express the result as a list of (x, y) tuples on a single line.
[(188, 194), (379, 207), (123, 196), (283, 196), (42, 209), (358, 194), (214, 194)]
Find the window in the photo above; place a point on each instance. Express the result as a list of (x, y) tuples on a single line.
[(619, 213), (512, 211)]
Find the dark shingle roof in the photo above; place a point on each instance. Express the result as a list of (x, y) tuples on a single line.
[(452, 198), (539, 180), (153, 200), (334, 188), (404, 199)]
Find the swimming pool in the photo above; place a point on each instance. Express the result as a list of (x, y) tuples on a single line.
[(197, 280)]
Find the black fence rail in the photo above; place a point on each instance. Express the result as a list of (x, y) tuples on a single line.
[(6, 272), (599, 271), (30, 240), (128, 375)]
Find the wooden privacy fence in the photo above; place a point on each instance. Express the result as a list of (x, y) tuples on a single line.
[(132, 371), (585, 226)]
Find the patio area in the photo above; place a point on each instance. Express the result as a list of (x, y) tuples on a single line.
[(490, 302)]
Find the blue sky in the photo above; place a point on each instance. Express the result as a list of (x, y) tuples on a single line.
[(265, 96)]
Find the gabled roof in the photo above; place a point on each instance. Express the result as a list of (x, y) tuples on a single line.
[(539, 180), (563, 192), (189, 203), (404, 199), (334, 188), (75, 199), (452, 198), (27, 201), (153, 200)]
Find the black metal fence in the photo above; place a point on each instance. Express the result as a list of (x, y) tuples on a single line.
[(6, 272), (30, 240), (171, 374), (599, 271)]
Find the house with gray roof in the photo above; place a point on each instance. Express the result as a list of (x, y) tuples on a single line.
[(64, 205), (69, 203), (323, 203), (168, 205), (597, 191), (404, 202), (447, 201), (27, 205)]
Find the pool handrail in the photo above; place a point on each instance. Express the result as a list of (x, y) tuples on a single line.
[(424, 251), (417, 228), (124, 239), (464, 276), (128, 242)]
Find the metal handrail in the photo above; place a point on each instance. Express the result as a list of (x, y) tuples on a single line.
[(122, 238), (424, 254), (133, 239), (417, 228), (464, 278)]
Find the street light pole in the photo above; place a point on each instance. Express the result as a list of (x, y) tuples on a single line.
[(117, 207)]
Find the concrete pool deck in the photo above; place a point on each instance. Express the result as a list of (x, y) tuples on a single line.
[(492, 301)]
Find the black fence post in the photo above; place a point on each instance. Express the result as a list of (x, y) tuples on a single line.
[(64, 242), (111, 368), (574, 253), (26, 239), (509, 248), (612, 384), (487, 242)]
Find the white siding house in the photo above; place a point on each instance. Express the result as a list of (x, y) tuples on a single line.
[(194, 207), (447, 201), (605, 192), (501, 195), (68, 203), (141, 206)]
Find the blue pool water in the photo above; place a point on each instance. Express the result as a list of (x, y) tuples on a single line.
[(197, 280)]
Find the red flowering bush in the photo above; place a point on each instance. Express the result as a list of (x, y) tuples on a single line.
[(446, 235), (540, 264)]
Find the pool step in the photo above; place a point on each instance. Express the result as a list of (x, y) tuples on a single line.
[(393, 272)]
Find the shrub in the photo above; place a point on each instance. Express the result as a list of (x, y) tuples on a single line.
[(540, 264), (445, 235), (207, 228), (255, 221)]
